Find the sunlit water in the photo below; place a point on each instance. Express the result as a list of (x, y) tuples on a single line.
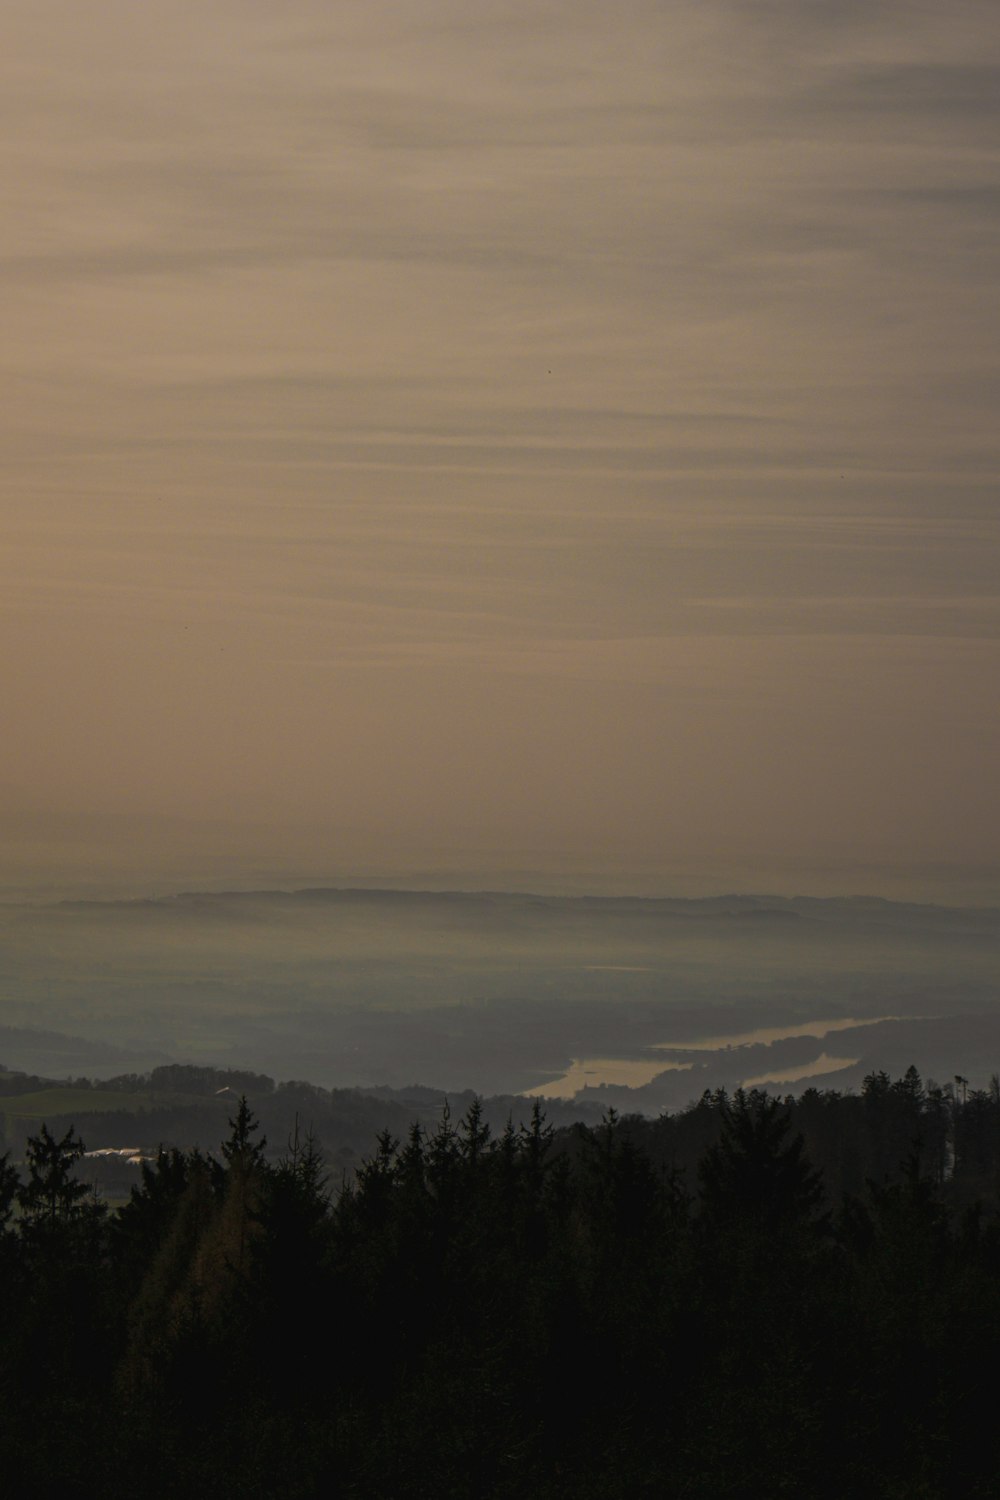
[(819, 1065), (590, 1072)]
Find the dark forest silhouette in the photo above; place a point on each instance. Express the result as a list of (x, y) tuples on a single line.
[(752, 1297)]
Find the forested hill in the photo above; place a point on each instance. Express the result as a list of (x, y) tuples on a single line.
[(187, 1106), (755, 1297)]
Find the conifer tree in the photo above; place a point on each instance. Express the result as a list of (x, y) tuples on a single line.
[(9, 1185), (52, 1195), (753, 1172), (241, 1150), (474, 1134)]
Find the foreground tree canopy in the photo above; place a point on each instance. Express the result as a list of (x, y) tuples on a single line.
[(755, 1297)]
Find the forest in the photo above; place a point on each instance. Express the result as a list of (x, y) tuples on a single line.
[(754, 1296)]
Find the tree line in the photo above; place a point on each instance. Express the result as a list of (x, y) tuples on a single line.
[(755, 1296)]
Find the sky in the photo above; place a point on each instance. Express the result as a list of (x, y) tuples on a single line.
[(500, 444)]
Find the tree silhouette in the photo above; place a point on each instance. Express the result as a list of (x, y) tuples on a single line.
[(241, 1150), (753, 1172), (9, 1184), (52, 1195)]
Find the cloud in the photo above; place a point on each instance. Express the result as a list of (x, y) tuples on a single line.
[(451, 366)]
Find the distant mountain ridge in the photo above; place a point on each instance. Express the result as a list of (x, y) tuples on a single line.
[(502, 992), (737, 905)]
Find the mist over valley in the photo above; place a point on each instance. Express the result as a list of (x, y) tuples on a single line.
[(639, 1003)]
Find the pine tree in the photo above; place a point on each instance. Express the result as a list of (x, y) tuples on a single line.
[(753, 1173), (241, 1150), (473, 1134), (52, 1195), (10, 1182)]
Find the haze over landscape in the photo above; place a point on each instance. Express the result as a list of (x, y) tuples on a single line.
[(525, 449), (499, 813), (503, 994)]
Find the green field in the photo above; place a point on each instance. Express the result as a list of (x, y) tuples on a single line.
[(48, 1103)]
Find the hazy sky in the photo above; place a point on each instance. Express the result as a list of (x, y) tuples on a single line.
[(506, 440)]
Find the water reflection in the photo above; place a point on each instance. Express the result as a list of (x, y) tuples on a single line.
[(589, 1072), (634, 1073), (822, 1064), (818, 1029)]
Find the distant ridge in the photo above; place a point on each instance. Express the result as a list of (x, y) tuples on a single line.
[(749, 906)]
